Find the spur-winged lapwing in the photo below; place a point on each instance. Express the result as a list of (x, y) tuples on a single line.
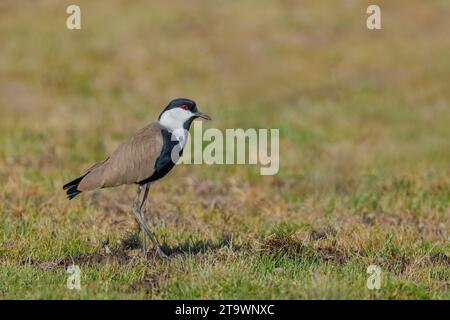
[(142, 159)]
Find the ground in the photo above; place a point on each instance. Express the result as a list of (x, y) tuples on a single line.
[(364, 149)]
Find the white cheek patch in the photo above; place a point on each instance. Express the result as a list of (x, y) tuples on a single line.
[(174, 119)]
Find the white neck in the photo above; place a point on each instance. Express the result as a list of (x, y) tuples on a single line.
[(173, 120)]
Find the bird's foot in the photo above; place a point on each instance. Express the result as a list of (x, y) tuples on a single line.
[(161, 254)]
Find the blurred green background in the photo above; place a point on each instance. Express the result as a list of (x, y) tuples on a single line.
[(364, 127)]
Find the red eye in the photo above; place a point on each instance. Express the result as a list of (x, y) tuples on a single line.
[(184, 107)]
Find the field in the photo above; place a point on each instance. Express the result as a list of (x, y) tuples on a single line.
[(364, 149)]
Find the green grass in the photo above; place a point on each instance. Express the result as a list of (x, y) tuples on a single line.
[(365, 149)]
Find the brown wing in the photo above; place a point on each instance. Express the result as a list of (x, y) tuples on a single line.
[(134, 160)]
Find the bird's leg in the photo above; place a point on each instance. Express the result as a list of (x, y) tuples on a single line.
[(136, 199), (143, 203), (137, 214), (141, 211), (134, 207)]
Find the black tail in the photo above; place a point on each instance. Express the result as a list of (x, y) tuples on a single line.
[(71, 188)]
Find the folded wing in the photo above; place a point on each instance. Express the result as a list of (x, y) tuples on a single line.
[(133, 161)]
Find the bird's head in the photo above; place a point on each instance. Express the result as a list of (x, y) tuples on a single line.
[(179, 114)]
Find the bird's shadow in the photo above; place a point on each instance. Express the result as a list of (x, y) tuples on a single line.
[(133, 241), (201, 246)]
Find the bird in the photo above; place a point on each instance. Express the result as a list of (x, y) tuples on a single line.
[(142, 159)]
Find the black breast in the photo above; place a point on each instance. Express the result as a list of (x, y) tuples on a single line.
[(164, 162)]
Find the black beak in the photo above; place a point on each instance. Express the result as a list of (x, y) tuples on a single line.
[(202, 115)]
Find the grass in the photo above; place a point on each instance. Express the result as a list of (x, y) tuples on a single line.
[(363, 118)]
